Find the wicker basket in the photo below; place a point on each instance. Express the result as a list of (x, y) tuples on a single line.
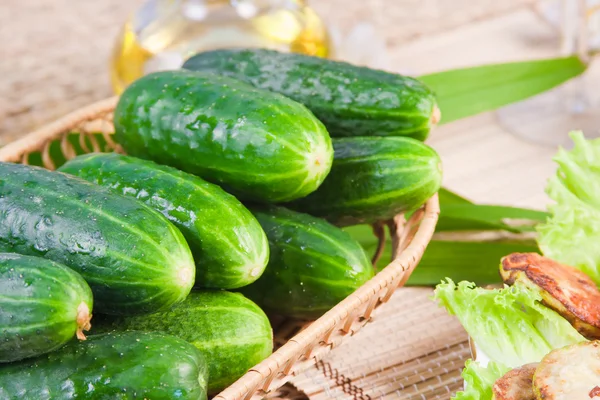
[(299, 344)]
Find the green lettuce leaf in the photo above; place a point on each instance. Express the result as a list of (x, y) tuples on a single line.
[(479, 380), (572, 234), (510, 325)]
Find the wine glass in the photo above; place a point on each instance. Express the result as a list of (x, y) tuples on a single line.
[(546, 119)]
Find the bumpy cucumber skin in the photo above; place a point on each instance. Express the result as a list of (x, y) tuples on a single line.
[(313, 265), (374, 178), (39, 305), (131, 365), (132, 257), (258, 145), (229, 246), (350, 100), (231, 331)]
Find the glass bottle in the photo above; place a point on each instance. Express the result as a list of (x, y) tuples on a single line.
[(162, 34)]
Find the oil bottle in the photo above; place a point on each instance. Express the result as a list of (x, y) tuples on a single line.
[(162, 34)]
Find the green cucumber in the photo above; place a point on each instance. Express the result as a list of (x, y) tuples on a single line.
[(259, 145), (350, 100), (374, 178), (313, 265), (228, 244), (231, 331), (132, 257), (132, 365), (43, 305)]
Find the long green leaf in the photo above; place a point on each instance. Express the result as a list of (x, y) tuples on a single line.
[(455, 224), (459, 214), (481, 211), (469, 91), (363, 234), (462, 260), (459, 217), (473, 261), (450, 198)]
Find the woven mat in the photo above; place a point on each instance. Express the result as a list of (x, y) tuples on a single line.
[(411, 350), (54, 54)]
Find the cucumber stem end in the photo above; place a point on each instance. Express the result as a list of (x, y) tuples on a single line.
[(436, 115), (83, 320)]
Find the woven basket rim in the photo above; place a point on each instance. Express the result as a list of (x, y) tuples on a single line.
[(410, 239)]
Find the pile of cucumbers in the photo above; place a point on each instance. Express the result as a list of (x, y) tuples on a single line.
[(241, 169)]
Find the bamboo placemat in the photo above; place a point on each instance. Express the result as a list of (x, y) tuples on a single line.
[(412, 350)]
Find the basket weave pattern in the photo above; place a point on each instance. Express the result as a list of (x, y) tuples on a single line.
[(299, 345)]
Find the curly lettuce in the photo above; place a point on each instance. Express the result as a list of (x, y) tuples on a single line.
[(510, 326), (479, 380), (571, 235)]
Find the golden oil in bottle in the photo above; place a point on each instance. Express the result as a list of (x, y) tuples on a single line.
[(162, 34)]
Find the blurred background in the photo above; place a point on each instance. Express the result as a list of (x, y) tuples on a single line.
[(55, 55)]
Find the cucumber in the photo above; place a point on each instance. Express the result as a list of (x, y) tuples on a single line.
[(259, 145), (349, 100), (313, 265), (229, 246), (132, 257), (43, 305), (231, 331), (374, 178), (132, 365)]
